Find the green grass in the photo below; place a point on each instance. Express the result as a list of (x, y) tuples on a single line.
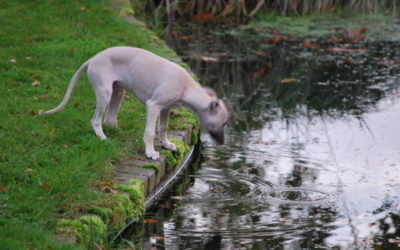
[(379, 26), (49, 163)]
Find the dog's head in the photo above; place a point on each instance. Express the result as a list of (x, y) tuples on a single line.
[(215, 117)]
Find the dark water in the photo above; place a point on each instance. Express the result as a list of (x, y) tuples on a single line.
[(312, 158)]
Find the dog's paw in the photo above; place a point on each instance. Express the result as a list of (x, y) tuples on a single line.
[(170, 146), (153, 155)]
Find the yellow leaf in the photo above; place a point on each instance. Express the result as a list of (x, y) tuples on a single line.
[(289, 80), (13, 60), (51, 131)]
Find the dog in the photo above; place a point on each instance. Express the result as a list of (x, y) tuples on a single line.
[(157, 82)]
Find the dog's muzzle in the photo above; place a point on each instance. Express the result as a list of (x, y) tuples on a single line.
[(217, 136)]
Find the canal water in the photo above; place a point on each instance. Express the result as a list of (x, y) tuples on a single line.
[(312, 153)]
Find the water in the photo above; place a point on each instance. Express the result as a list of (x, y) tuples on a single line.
[(312, 157)]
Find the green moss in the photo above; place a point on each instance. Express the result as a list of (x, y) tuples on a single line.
[(88, 230), (136, 197), (194, 137), (169, 158), (151, 166), (121, 207), (104, 212), (181, 150), (181, 118), (97, 228)]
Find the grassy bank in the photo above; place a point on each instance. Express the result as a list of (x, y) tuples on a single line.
[(48, 164)]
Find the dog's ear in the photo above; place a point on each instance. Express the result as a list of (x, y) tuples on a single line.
[(214, 105), (210, 91)]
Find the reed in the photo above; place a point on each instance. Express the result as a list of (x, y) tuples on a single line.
[(206, 9)]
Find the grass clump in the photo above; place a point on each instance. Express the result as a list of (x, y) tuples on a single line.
[(48, 163)]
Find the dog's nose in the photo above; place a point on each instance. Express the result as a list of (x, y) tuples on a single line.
[(217, 136)]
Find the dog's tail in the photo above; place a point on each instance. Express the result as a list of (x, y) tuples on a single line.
[(71, 86)]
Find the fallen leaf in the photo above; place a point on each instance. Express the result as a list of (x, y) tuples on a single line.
[(204, 17), (150, 220), (36, 83), (42, 198), (260, 71), (177, 197), (13, 60), (122, 14), (184, 38), (32, 112), (18, 181), (65, 145), (44, 186), (277, 38), (28, 58), (43, 97), (159, 237), (356, 32), (29, 170), (2, 188), (51, 131), (108, 183), (347, 50), (76, 104), (83, 8), (108, 190), (40, 112), (289, 80), (55, 159), (285, 219), (310, 45), (264, 142), (260, 53), (209, 59)]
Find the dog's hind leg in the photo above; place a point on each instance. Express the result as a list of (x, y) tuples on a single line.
[(103, 90), (163, 126), (116, 98)]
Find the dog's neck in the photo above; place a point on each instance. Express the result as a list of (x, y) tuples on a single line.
[(196, 98)]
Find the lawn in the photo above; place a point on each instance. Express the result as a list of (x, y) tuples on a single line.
[(49, 164)]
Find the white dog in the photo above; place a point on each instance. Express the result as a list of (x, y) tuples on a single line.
[(157, 82)]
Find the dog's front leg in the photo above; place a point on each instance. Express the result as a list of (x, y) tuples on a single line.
[(153, 110), (163, 130)]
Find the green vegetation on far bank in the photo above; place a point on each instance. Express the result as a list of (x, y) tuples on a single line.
[(377, 26), (49, 165)]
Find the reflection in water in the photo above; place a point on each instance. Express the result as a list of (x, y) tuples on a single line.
[(312, 154)]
